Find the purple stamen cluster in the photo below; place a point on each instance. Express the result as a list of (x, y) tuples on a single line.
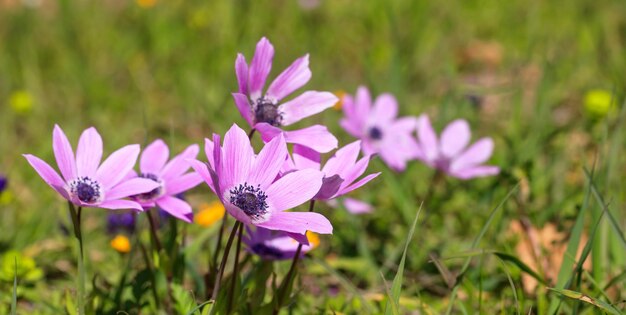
[(375, 133), (266, 110), (86, 189), (251, 200), (155, 193)]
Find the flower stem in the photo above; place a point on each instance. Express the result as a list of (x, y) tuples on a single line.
[(81, 267), (220, 273), (235, 272), (251, 133), (153, 231)]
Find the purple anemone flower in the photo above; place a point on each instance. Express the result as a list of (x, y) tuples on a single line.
[(123, 221), (273, 245), (246, 184), (450, 152), (352, 205), (265, 112), (340, 171), (86, 182), (378, 128), (170, 176), (3, 183)]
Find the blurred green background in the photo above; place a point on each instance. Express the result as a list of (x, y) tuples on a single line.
[(545, 79)]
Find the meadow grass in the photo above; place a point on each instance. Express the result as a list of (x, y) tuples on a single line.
[(517, 70)]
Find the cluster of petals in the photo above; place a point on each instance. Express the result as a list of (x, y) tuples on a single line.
[(248, 187), (264, 111), (450, 152)]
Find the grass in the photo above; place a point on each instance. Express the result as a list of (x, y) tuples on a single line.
[(517, 70)]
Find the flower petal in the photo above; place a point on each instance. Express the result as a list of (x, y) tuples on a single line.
[(88, 152), (120, 204), (385, 109), (294, 189), (241, 70), (178, 165), (267, 164), (202, 170), (455, 138), (307, 104), (154, 157), (362, 103), (476, 154), (243, 105), (176, 207), (238, 157), (355, 206), (117, 166), (305, 157), (427, 138), (183, 183), (48, 174), (358, 184), (64, 154), (476, 171), (330, 186), (316, 137), (298, 222), (343, 159), (131, 187), (291, 79), (260, 67)]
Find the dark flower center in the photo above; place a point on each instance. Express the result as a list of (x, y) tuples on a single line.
[(375, 133), (251, 200), (266, 251), (153, 193), (86, 190), (266, 110)]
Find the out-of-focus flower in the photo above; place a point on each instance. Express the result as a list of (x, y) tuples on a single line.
[(171, 178), (122, 221), (245, 183), (599, 103), (3, 183), (121, 244), (309, 4), (450, 152), (210, 213), (276, 245), (21, 102), (340, 95), (86, 182), (27, 269), (264, 112), (356, 206), (378, 128), (146, 3)]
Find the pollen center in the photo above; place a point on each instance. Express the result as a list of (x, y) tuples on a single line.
[(153, 194), (86, 190), (266, 110), (375, 133), (251, 200)]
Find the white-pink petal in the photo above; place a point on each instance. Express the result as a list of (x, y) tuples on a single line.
[(291, 79), (454, 138), (176, 207), (48, 174), (88, 152), (476, 154), (260, 67), (117, 166), (131, 187), (307, 104), (154, 157), (64, 154), (267, 164), (294, 189)]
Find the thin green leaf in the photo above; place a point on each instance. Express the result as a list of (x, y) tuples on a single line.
[(605, 209), (587, 299), (14, 297)]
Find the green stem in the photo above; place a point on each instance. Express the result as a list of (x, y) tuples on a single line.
[(153, 231), (81, 267), (220, 272), (235, 271)]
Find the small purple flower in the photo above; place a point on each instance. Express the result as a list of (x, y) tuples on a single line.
[(264, 111), (3, 183), (122, 221), (85, 181), (450, 152), (353, 206), (273, 245), (246, 184), (378, 128), (340, 171), (171, 178)]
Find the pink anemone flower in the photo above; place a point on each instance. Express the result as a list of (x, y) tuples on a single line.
[(450, 153), (86, 182), (380, 131), (274, 245), (265, 112), (247, 186), (170, 176)]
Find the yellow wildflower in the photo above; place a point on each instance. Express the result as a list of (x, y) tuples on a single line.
[(314, 239), (340, 95), (121, 244), (146, 3), (21, 102), (599, 103), (210, 213)]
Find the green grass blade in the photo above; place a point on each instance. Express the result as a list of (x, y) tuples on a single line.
[(605, 209), (396, 286), (14, 297), (512, 284), (587, 299)]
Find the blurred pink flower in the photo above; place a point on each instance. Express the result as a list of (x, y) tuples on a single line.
[(378, 128), (264, 112), (171, 178), (85, 181), (450, 152), (276, 245), (247, 186)]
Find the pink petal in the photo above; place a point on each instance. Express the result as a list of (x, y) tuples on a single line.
[(307, 104), (294, 189), (355, 206), (89, 152), (350, 174), (64, 154), (343, 159), (427, 138), (406, 124), (178, 165), (120, 204), (362, 103), (300, 238), (260, 67), (305, 157), (298, 222), (176, 207), (131, 187), (203, 171), (238, 155), (476, 154), (358, 184), (48, 174), (351, 126), (385, 108), (243, 105), (316, 137), (455, 138), (154, 157), (476, 171), (117, 166), (268, 163), (291, 79), (241, 70), (183, 183)]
